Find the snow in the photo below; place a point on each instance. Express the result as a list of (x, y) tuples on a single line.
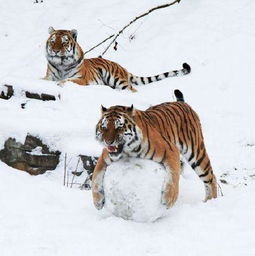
[(129, 183), (41, 217)]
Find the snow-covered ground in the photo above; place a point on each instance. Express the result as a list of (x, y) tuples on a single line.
[(39, 216)]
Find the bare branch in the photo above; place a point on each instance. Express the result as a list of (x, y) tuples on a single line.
[(75, 171), (134, 20), (131, 22), (100, 43), (65, 170)]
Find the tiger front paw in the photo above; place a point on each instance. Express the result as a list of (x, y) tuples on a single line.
[(168, 197), (98, 199), (132, 89), (163, 198)]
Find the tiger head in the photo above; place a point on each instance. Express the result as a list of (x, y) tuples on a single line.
[(118, 131), (62, 47)]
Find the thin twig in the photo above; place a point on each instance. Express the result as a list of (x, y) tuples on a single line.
[(69, 161), (100, 43), (220, 189), (75, 171), (105, 25), (65, 170), (67, 178), (135, 19)]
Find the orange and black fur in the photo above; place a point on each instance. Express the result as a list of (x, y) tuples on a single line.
[(66, 63), (161, 133)]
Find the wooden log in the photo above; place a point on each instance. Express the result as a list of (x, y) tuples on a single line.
[(7, 92)]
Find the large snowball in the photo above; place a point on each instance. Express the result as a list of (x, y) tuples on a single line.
[(133, 189)]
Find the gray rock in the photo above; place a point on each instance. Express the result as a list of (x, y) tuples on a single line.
[(33, 156), (89, 163)]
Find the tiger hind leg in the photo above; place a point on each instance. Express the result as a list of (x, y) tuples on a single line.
[(132, 89), (115, 81), (200, 163), (128, 87), (171, 185)]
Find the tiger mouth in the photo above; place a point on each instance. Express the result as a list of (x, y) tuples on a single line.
[(58, 56), (115, 149)]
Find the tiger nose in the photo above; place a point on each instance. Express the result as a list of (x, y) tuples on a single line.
[(109, 142), (56, 51)]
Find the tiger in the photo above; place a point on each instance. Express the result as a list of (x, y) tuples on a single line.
[(66, 62), (161, 133)]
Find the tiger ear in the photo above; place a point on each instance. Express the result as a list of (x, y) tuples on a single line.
[(74, 34), (103, 109), (51, 30), (131, 110)]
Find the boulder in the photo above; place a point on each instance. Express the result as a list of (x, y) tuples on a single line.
[(89, 163), (32, 156)]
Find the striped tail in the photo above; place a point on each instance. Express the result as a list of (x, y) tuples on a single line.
[(178, 95), (139, 80)]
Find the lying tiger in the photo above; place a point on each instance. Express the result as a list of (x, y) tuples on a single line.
[(66, 63), (159, 133)]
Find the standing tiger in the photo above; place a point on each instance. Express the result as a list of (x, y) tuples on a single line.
[(66, 63), (161, 133)]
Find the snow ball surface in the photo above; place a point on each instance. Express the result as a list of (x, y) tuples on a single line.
[(133, 189)]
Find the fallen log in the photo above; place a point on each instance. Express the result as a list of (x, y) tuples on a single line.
[(7, 91)]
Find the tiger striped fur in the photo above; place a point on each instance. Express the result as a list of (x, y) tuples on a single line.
[(160, 133), (66, 63)]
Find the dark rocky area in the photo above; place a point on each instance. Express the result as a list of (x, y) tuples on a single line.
[(23, 156)]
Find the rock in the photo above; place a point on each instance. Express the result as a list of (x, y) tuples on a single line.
[(133, 189), (89, 163), (33, 156)]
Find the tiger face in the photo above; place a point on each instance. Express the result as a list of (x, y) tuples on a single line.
[(61, 47), (117, 130)]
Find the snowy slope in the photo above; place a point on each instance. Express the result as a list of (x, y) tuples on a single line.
[(40, 217), (217, 39)]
